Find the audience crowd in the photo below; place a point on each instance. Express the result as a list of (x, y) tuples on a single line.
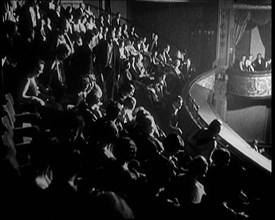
[(259, 64), (90, 123)]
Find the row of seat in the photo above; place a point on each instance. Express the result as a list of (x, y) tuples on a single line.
[(17, 133)]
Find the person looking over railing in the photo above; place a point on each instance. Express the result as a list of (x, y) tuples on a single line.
[(259, 63), (188, 69), (203, 142), (249, 64), (242, 66), (175, 79), (268, 64)]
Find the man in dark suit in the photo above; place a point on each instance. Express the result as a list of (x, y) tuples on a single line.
[(259, 63), (107, 63), (188, 69), (116, 21)]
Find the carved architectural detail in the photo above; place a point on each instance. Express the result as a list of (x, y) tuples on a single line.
[(258, 86)]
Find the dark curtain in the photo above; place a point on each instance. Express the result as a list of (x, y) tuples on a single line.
[(262, 19), (245, 21), (265, 33), (242, 18)]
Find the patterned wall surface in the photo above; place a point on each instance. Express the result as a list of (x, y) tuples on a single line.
[(250, 85)]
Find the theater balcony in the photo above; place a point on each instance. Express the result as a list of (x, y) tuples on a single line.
[(254, 85), (200, 106)]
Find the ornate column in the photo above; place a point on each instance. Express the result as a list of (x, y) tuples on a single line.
[(224, 52), (219, 101)]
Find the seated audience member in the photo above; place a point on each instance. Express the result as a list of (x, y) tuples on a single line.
[(259, 63), (268, 64), (187, 189), (140, 66), (133, 36), (100, 21), (175, 79), (124, 31), (107, 20), (110, 119), (57, 78), (8, 11), (221, 171), (88, 11), (143, 135), (129, 105), (179, 55), (167, 55), (125, 75), (159, 89), (173, 145), (29, 90), (82, 27), (156, 63), (118, 34), (144, 45), (170, 124), (125, 90), (242, 65), (100, 33), (161, 56), (133, 69), (77, 40), (122, 53), (154, 44), (249, 64), (130, 49), (255, 145), (116, 22), (108, 204), (62, 37), (90, 111), (90, 24), (188, 69), (105, 32), (203, 141), (138, 45)]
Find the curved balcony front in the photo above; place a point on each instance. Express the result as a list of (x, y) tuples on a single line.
[(199, 107), (256, 85)]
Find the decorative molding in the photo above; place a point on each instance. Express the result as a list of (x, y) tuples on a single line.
[(208, 82), (257, 86), (252, 7)]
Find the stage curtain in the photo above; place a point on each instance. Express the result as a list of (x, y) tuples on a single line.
[(265, 33), (241, 20), (246, 20), (262, 19)]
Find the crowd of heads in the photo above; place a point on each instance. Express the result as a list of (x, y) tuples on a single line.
[(110, 141), (248, 63)]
